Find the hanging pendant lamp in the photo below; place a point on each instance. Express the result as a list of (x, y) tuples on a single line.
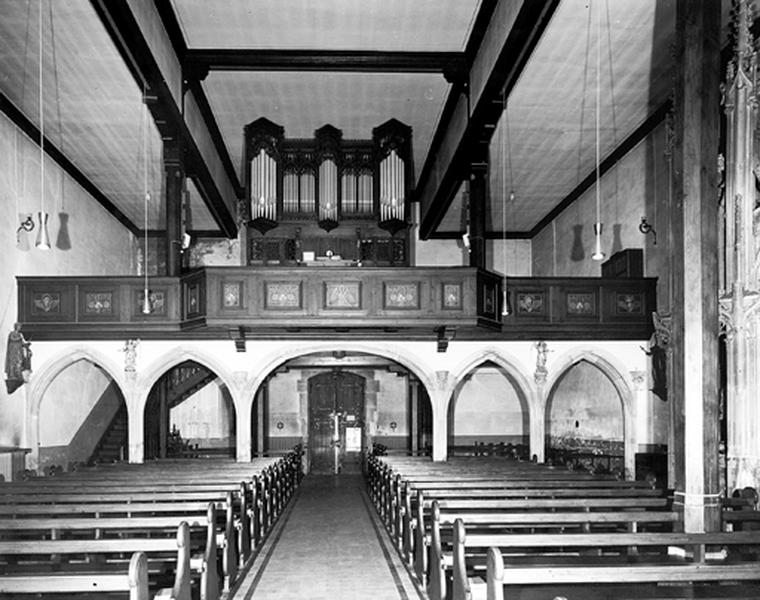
[(43, 239), (598, 254)]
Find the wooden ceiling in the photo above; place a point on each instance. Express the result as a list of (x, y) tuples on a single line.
[(353, 65)]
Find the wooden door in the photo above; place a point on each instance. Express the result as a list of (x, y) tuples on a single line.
[(336, 417)]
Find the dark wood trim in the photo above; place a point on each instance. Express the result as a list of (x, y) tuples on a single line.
[(657, 117), (201, 60), (517, 48), (196, 88), (31, 130), (479, 27), (121, 26), (174, 31), (172, 27)]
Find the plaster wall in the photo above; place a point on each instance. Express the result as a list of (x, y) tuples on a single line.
[(207, 418), (486, 409), (636, 187), (80, 230)]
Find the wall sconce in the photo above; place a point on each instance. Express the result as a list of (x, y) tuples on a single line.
[(26, 225), (645, 228)]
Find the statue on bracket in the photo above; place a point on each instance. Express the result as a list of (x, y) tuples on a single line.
[(18, 360)]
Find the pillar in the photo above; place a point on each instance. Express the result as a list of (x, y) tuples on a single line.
[(414, 414), (477, 213), (174, 173), (694, 237)]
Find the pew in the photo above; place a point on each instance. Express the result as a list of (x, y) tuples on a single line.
[(37, 564), (740, 579), (579, 549), (133, 583)]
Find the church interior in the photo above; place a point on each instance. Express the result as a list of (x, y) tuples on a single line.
[(366, 274)]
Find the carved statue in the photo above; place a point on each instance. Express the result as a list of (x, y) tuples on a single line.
[(658, 352), (541, 371), (18, 359), (130, 356)]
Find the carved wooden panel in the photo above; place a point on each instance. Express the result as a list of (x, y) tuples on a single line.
[(451, 296), (282, 295), (98, 304), (343, 295), (403, 296)]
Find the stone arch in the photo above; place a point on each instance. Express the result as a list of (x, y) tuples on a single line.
[(522, 383), (153, 372), (53, 367), (614, 371), (284, 354)]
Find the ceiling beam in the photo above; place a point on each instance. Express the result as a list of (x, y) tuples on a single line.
[(174, 31), (507, 45), (122, 27), (33, 133), (198, 62)]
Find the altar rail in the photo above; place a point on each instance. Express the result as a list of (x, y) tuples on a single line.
[(302, 302)]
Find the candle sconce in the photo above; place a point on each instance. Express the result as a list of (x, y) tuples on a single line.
[(645, 227)]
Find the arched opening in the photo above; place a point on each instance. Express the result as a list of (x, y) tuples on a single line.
[(488, 415), (82, 419), (364, 402), (190, 414), (585, 421)]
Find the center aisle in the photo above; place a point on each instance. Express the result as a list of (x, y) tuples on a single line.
[(330, 545)]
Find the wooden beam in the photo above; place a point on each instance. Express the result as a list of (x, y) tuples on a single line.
[(174, 31), (120, 24), (198, 62), (30, 129), (503, 54)]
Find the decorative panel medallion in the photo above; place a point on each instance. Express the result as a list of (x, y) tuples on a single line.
[(156, 300), (489, 301), (98, 303), (530, 303), (46, 303), (452, 295), (232, 295), (581, 304), (282, 295), (343, 295), (402, 295), (193, 298), (629, 304)]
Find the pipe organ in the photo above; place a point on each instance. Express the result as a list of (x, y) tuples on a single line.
[(352, 188)]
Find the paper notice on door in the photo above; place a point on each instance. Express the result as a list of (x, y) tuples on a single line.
[(353, 439)]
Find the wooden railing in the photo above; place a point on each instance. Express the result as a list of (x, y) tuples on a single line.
[(408, 303)]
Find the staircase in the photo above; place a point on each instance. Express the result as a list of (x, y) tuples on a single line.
[(113, 446)]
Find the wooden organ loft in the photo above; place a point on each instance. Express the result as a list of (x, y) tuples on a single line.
[(327, 201)]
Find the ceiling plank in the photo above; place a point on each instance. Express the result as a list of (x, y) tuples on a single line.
[(33, 133), (199, 62), (503, 53), (121, 25)]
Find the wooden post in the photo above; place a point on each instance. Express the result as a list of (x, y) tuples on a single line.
[(414, 405), (174, 172), (695, 264), (478, 197)]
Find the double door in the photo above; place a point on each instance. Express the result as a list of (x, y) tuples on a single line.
[(336, 422)]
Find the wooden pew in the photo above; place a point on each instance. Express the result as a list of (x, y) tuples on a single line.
[(69, 530), (574, 549), (37, 564), (739, 578), (428, 552), (133, 583)]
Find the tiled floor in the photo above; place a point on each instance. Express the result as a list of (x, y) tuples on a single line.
[(328, 545)]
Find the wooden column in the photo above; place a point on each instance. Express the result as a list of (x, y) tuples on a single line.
[(163, 417), (695, 265), (174, 173), (477, 208), (414, 407)]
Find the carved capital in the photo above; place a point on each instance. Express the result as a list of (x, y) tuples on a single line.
[(442, 379)]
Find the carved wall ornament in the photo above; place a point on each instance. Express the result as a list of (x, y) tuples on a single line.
[(442, 379), (639, 379), (130, 357), (541, 352)]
